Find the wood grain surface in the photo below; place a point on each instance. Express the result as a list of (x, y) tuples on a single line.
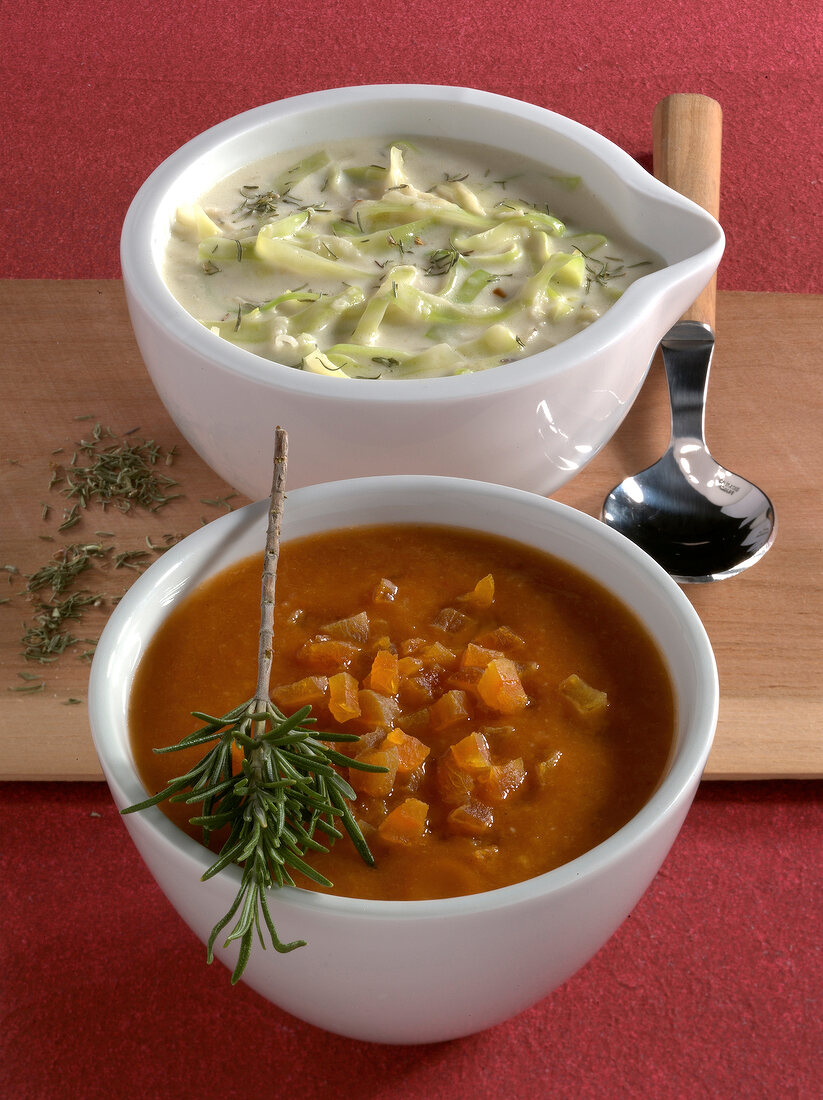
[(69, 361)]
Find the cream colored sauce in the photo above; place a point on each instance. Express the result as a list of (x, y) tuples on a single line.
[(372, 300)]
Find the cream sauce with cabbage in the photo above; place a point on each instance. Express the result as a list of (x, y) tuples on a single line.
[(394, 260)]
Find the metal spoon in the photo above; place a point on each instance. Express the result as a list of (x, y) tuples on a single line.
[(697, 519)]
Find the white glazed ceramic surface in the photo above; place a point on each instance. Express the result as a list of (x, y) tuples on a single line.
[(414, 972), (532, 424)]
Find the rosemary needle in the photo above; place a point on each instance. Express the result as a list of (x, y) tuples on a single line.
[(287, 793)]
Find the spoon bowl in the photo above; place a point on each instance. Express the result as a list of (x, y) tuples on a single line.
[(697, 519)]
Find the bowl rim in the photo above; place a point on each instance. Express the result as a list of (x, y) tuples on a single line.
[(167, 576), (146, 287)]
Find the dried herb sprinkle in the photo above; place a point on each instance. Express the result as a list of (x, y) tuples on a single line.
[(120, 473)]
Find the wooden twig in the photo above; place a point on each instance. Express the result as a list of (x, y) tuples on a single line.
[(265, 649)]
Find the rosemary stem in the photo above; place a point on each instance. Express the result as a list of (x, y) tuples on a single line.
[(272, 552)]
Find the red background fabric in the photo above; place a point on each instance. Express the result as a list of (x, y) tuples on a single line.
[(97, 97), (712, 987)]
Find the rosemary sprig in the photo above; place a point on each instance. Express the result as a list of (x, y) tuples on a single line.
[(287, 793)]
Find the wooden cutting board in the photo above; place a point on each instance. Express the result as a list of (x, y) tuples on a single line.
[(69, 362)]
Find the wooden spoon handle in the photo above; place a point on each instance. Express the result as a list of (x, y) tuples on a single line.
[(687, 132)]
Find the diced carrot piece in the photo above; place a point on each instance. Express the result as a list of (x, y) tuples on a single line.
[(384, 591), (408, 666), (500, 687), (493, 732), (470, 819), (585, 699), (343, 701), (405, 823), (451, 620), (466, 679), (500, 638), (417, 691), (366, 741), (545, 768), (500, 780), (472, 753), (416, 722), (411, 752), (311, 691), (376, 709), (438, 654), (327, 654), (482, 595), (451, 709), (384, 676), (375, 784), (529, 671), (476, 656), (366, 828), (355, 628), (454, 783), (460, 765)]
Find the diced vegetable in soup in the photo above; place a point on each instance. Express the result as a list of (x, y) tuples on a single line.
[(520, 713), (405, 259)]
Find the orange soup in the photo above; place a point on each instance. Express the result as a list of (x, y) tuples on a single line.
[(522, 714)]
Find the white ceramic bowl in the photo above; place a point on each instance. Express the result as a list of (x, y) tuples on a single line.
[(533, 426), (351, 978)]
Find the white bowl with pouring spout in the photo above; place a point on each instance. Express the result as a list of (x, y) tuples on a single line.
[(531, 424), (418, 971)]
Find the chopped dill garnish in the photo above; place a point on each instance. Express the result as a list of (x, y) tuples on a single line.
[(30, 688), (170, 540), (45, 639), (262, 203), (220, 502), (442, 260), (130, 559), (67, 563), (604, 271), (118, 473), (71, 516)]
